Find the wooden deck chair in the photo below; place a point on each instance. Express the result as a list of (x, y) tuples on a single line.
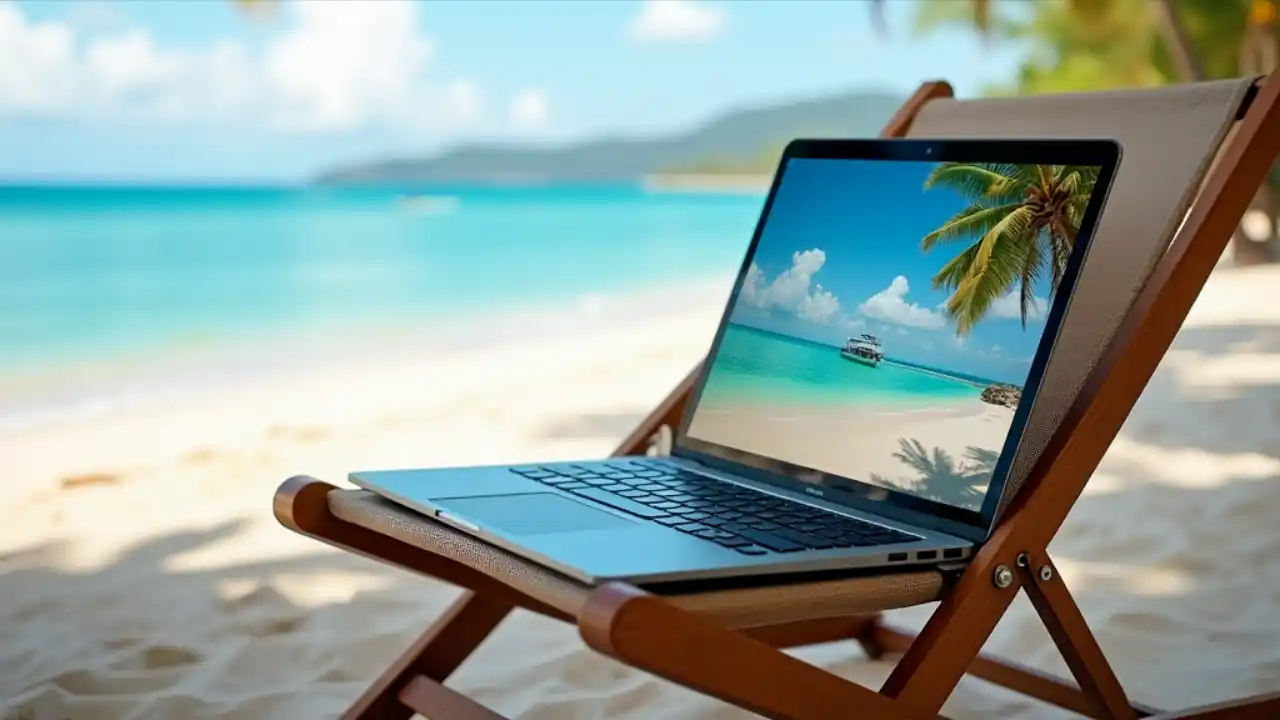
[(1205, 147)]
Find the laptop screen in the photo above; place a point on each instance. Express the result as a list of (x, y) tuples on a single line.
[(885, 325)]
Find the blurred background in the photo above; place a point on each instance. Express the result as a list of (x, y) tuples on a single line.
[(184, 174), (241, 240)]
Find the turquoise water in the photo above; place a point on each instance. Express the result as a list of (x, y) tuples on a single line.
[(99, 272), (756, 366)]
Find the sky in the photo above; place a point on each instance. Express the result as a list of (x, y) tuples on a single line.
[(840, 256), (202, 91)]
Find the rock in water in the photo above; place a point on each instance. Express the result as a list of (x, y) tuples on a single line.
[(1004, 395)]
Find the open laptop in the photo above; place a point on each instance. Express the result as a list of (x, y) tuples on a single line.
[(865, 393)]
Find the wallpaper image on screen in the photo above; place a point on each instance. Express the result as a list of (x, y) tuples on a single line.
[(889, 317)]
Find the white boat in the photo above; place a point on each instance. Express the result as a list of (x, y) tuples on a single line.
[(865, 349)]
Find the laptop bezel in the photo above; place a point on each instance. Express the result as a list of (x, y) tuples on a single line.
[(974, 525)]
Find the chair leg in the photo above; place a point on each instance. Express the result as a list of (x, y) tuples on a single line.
[(1018, 678), (650, 634), (434, 655), (1070, 632)]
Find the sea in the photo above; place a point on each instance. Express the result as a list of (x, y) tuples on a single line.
[(757, 366), (92, 277)]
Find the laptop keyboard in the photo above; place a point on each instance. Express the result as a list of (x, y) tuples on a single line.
[(746, 520)]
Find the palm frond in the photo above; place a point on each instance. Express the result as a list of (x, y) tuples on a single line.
[(975, 220), (974, 180), (1017, 222), (1031, 267)]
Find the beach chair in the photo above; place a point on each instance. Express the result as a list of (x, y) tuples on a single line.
[(1193, 158)]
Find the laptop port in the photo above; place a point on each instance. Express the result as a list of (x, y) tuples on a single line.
[(952, 553), (897, 557), (927, 555)]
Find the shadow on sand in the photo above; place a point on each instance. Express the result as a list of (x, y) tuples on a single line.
[(1177, 578), (939, 476)]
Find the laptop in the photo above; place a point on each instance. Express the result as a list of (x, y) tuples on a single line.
[(865, 393)]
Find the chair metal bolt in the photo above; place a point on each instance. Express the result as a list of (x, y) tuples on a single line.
[(1003, 577), (1023, 560), (1046, 573)]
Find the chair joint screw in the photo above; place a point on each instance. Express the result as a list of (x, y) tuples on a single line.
[(1023, 560), (1046, 573), (1003, 577)]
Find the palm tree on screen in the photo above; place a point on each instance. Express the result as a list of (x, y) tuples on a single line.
[(1020, 224)]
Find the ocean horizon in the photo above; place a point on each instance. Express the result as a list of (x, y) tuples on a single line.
[(754, 365), (100, 276), (104, 271)]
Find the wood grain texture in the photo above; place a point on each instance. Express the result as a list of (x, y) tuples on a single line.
[(645, 632)]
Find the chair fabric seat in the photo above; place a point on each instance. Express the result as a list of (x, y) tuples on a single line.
[(739, 607)]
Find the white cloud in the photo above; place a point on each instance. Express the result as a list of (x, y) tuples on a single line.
[(1010, 306), (463, 99), (891, 305), (336, 66), (37, 65), (793, 290), (344, 63), (130, 68), (530, 108), (94, 16), (677, 21)]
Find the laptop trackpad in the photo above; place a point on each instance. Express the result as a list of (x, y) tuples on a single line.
[(532, 513)]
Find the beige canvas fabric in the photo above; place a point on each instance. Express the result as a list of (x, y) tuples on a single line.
[(1169, 137)]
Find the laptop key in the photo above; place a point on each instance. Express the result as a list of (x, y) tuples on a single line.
[(810, 541), (598, 482), (619, 503), (632, 493), (691, 527), (732, 541), (671, 520), (773, 542), (752, 550), (697, 515), (573, 486)]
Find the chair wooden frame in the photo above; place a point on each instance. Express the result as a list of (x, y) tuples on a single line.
[(749, 670)]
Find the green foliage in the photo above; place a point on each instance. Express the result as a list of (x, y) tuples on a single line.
[(1021, 222), (1104, 44)]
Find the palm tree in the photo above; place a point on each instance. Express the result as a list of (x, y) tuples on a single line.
[(1101, 44), (1021, 221)]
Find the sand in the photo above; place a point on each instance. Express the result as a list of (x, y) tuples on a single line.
[(142, 576), (943, 451)]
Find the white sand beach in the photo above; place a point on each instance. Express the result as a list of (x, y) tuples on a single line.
[(143, 576), (944, 452)]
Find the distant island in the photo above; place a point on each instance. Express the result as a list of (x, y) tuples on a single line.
[(736, 151)]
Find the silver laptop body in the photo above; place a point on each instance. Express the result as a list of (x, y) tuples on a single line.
[(811, 444)]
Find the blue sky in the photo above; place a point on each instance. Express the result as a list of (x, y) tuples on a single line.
[(840, 255), (166, 90)]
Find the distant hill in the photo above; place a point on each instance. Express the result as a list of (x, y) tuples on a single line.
[(747, 141)]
